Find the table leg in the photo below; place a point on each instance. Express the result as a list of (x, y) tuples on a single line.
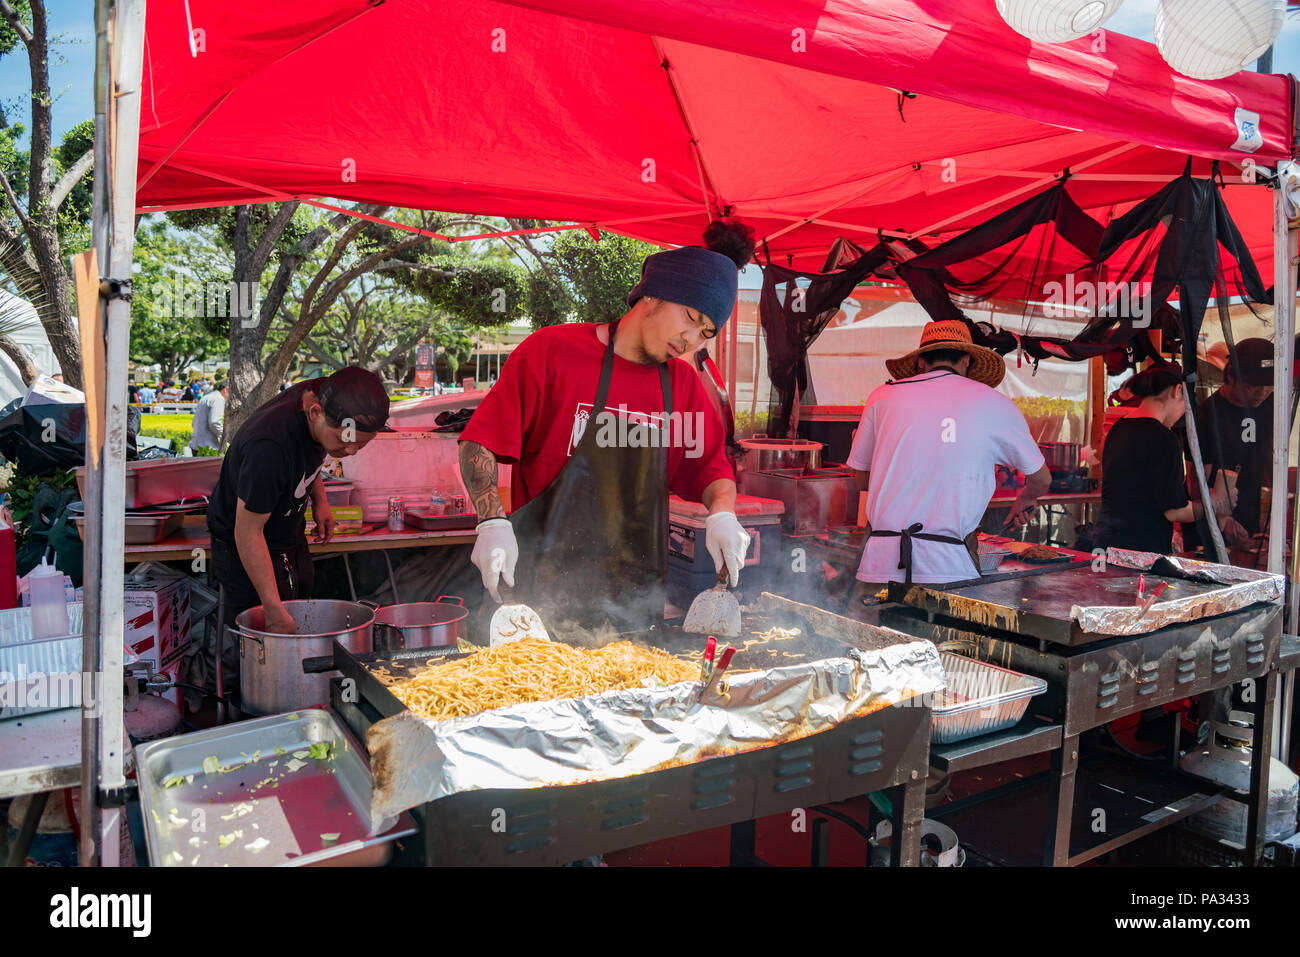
[(1261, 751), (908, 800), (821, 846), (1060, 803), (31, 820), (347, 567), (742, 844), (392, 582)]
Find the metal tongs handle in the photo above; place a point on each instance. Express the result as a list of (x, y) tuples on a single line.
[(716, 676)]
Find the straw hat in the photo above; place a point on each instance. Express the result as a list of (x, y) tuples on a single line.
[(985, 365)]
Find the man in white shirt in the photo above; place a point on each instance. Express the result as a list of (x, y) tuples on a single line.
[(926, 450), (208, 422)]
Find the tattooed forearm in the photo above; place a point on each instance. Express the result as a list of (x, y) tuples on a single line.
[(478, 470)]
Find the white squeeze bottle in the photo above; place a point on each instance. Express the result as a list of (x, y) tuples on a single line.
[(49, 604)]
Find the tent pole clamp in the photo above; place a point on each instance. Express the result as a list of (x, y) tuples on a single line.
[(110, 288)]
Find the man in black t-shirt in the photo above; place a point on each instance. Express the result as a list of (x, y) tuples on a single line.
[(1235, 429), (271, 471)]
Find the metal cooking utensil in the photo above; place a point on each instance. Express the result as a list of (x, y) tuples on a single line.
[(714, 611), (514, 620)]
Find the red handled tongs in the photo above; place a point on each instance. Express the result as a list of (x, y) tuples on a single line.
[(714, 677), (706, 666)]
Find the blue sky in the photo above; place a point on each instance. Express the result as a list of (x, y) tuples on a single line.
[(72, 60)]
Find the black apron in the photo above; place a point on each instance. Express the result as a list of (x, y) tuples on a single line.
[(593, 547), (916, 530)]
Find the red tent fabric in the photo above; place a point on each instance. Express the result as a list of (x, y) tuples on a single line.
[(634, 116)]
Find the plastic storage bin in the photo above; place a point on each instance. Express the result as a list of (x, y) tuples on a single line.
[(690, 566)]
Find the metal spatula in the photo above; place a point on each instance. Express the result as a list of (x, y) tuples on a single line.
[(715, 611), (513, 620)]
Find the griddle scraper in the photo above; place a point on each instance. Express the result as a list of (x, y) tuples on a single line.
[(714, 611)]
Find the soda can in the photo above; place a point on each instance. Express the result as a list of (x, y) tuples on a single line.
[(459, 503), (396, 514)]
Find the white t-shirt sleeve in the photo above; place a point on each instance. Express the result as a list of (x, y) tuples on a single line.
[(864, 442), (1016, 447)]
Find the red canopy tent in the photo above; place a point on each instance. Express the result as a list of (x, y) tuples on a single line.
[(633, 117), (811, 119)]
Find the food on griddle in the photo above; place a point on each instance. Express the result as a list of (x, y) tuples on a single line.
[(533, 669), (1038, 553)]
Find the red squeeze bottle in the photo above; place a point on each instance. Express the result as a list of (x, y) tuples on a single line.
[(8, 568)]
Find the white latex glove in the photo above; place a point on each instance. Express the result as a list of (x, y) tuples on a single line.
[(495, 554), (727, 541)]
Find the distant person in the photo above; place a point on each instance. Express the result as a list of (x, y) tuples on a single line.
[(284, 385), (209, 420), (146, 395), (132, 392)]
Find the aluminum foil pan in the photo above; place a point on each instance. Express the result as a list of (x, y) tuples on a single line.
[(1241, 587), (980, 698), (634, 731)]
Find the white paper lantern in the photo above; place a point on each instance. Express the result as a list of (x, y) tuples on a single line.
[(1211, 39), (1056, 21)]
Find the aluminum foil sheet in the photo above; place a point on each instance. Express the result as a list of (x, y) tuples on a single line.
[(638, 730), (1241, 587)]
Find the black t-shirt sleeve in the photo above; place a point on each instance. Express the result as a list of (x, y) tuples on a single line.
[(1169, 476), (263, 476)]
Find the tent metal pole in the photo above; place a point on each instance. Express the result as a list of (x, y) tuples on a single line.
[(88, 839), (128, 48), (1284, 284)]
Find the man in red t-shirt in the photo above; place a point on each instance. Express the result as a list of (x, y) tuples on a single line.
[(542, 407)]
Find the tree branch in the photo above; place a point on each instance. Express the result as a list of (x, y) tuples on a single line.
[(68, 181), (15, 21), (13, 201)]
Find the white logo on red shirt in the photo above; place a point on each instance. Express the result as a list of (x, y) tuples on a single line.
[(582, 414)]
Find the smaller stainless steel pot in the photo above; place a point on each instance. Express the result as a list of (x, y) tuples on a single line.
[(1060, 456), (762, 454), (421, 624)]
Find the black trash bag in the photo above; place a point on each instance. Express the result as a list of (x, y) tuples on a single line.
[(24, 432), (452, 421), (156, 452), (44, 439), (51, 527)]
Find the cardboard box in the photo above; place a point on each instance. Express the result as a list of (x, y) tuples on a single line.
[(157, 627)]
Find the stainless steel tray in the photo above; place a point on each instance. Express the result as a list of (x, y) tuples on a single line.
[(264, 813), (159, 481), (144, 528), (980, 698)]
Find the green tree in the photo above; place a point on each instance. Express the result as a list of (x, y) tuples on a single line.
[(180, 303), (302, 260), (56, 212)]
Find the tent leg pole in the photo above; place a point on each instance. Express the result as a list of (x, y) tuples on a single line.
[(128, 50), (1284, 284)]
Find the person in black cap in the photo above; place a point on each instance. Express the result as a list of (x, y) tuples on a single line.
[(600, 424), (271, 471), (1235, 430)]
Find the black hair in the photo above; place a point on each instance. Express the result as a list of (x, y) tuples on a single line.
[(732, 239), (1154, 381), (950, 356)]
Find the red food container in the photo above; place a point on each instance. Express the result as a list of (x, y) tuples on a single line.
[(8, 568)]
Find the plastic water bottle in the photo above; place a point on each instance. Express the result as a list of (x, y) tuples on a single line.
[(49, 606), (437, 502)]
